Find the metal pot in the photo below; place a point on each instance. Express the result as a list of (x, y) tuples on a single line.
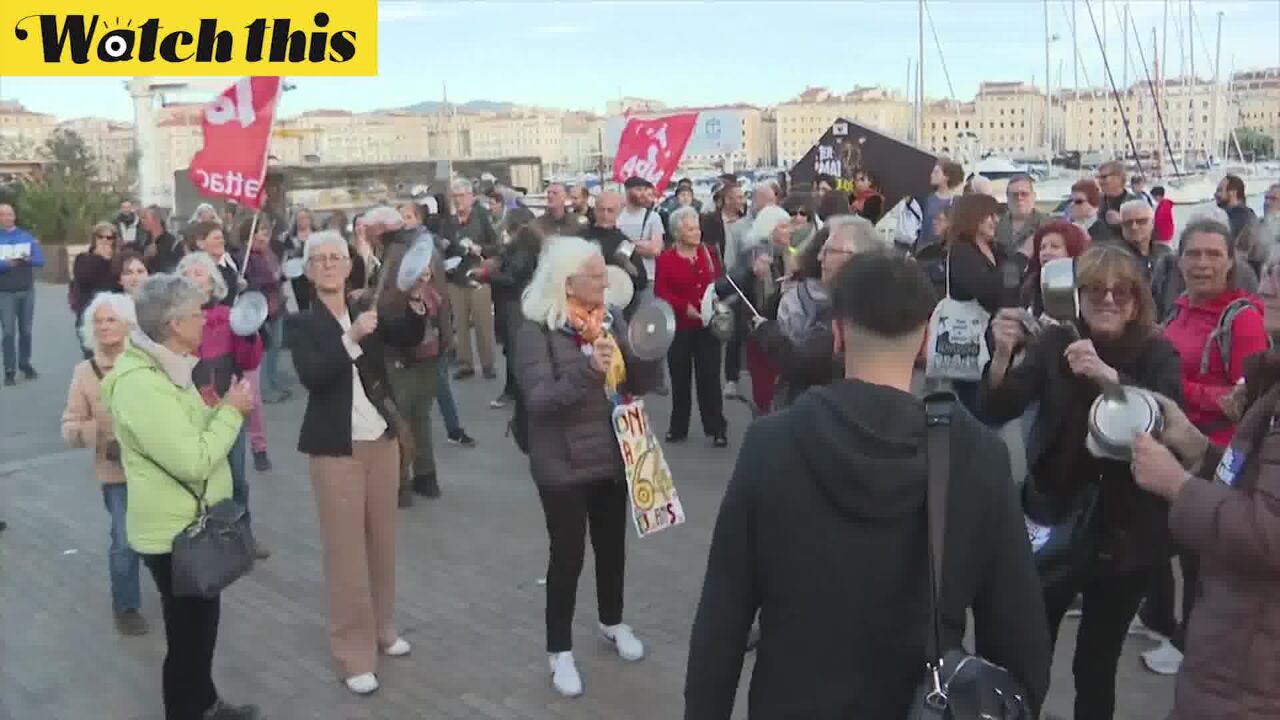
[(1116, 419)]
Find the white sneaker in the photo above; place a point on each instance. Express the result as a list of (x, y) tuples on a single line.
[(362, 684), (564, 674), (731, 389), (1164, 660), (399, 648), (629, 646), (1140, 629)]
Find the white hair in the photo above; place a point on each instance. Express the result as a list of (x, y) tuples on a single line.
[(217, 285), (160, 300), (544, 299), (460, 185), (119, 303), (766, 221), (772, 185), (857, 230), (679, 215), (981, 185), (330, 238), (384, 215), (195, 216), (1135, 204)]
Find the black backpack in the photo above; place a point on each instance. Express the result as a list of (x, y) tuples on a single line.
[(1220, 338), (518, 424)]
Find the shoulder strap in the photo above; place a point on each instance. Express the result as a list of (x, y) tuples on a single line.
[(937, 411), (97, 369), (1221, 335)]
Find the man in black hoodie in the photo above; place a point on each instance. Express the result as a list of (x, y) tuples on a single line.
[(823, 531)]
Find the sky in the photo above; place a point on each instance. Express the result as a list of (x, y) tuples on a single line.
[(579, 54)]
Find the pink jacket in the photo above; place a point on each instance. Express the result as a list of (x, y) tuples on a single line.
[(223, 355)]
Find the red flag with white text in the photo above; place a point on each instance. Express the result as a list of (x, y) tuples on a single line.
[(237, 131), (652, 148)]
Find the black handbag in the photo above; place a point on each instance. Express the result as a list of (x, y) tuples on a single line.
[(957, 685), (215, 550)]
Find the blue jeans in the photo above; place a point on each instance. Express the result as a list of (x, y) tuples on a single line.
[(271, 359), (239, 481), (122, 561), (17, 308), (444, 395)]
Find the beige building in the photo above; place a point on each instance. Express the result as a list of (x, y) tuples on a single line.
[(800, 122), (1257, 96), (538, 133), (581, 139), (109, 143), (624, 105), (1092, 121), (1004, 117), (22, 132)]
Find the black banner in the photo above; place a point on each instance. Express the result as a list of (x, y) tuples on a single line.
[(896, 168)]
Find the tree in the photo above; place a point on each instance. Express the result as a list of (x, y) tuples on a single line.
[(65, 200), (1255, 143)]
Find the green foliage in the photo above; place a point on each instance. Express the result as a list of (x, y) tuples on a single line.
[(61, 205), (1256, 143)]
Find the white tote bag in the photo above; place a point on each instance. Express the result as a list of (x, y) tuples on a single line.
[(957, 346)]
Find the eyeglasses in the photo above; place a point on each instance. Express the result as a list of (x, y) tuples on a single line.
[(1078, 201), (323, 260), (1120, 294)]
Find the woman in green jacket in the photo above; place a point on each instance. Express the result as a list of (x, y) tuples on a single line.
[(168, 436)]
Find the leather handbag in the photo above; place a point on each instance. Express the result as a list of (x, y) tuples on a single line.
[(957, 685), (215, 550)]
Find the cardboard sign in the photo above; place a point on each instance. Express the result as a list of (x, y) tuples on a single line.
[(654, 503), (897, 169)]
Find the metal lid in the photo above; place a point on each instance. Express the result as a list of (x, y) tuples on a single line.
[(1113, 423), (651, 329)]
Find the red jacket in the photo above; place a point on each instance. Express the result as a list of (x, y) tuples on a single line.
[(1164, 220), (1189, 331), (682, 283)]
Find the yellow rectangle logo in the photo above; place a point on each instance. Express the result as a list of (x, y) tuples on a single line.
[(71, 38)]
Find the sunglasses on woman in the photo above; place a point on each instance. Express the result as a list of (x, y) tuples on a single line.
[(1120, 294)]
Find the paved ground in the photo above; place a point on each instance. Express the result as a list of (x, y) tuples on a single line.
[(467, 594)]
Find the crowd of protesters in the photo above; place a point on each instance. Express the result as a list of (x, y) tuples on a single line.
[(826, 314)]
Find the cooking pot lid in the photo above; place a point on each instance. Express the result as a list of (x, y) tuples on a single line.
[(1115, 422)]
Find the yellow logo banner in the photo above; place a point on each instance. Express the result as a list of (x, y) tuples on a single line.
[(73, 38)]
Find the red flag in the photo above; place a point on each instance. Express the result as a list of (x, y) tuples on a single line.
[(652, 149), (237, 131)]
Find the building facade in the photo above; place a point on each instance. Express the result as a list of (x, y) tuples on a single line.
[(1257, 97), (800, 122)]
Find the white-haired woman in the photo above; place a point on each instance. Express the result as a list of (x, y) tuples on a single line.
[(87, 424), (224, 358), (348, 431), (685, 271), (571, 359), (173, 447)]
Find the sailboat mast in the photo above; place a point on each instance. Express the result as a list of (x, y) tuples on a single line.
[(920, 74), (1213, 108), (1048, 91)]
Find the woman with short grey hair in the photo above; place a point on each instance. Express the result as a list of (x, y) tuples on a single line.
[(571, 358), (87, 424), (173, 450), (224, 357)]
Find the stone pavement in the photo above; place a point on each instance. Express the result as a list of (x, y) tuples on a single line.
[(468, 598)]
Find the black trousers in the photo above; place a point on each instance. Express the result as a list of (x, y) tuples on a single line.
[(570, 510), (191, 632), (1158, 611), (695, 352), (1109, 604), (733, 357)]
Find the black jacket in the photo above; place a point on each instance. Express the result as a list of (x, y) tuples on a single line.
[(169, 250), (823, 531), (973, 277), (609, 239), (1130, 522), (324, 367), (477, 230)]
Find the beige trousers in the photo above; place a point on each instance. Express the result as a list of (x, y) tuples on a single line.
[(473, 309), (356, 500)]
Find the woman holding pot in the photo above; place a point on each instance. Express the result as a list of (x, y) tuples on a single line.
[(1223, 507), (570, 356), (1120, 537)]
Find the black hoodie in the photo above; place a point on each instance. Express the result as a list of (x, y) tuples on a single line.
[(823, 531)]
